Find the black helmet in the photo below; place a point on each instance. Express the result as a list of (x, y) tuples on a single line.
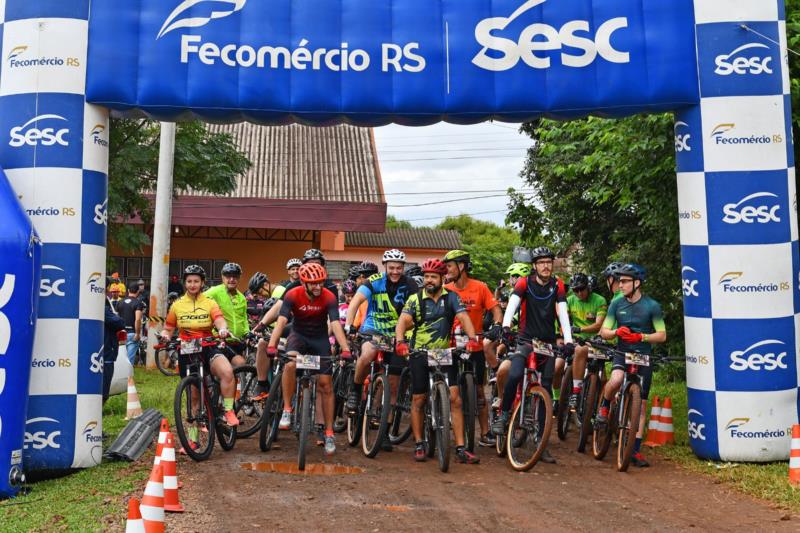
[(194, 270), (269, 303), (541, 252), (592, 283), (231, 269), (414, 271), (313, 253), (353, 273), (579, 281), (521, 255), (612, 270), (367, 268), (633, 270), (172, 296), (257, 281)]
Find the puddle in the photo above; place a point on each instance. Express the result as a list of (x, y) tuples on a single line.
[(311, 469)]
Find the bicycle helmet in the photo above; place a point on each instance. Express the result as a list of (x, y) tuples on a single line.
[(268, 304), (611, 271), (353, 273), (367, 268), (231, 269), (419, 280), (521, 255), (592, 283), (313, 253), (196, 270), (414, 271), (519, 269), (257, 281), (171, 297), (633, 270), (293, 262), (394, 255), (349, 286), (312, 273), (579, 281), (542, 252), (435, 266)]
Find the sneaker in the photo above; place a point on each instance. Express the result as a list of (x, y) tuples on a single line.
[(639, 460), (487, 440), (330, 445), (496, 403), (230, 418), (602, 419), (286, 421), (419, 452), (547, 458), (466, 457), (262, 393), (573, 399), (352, 401), (500, 425)]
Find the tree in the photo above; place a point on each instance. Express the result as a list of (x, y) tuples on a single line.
[(393, 222), (204, 162), (488, 244)]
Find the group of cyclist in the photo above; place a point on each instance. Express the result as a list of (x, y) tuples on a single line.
[(421, 308)]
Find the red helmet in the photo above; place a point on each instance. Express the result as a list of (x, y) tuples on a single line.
[(312, 273), (435, 266)]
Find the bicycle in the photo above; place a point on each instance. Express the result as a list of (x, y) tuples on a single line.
[(400, 427), (532, 418), (588, 402), (494, 398), (343, 376), (468, 391), (437, 408), (167, 357), (305, 397), (198, 404), (564, 413), (273, 406), (376, 403)]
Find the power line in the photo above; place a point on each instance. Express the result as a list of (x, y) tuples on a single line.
[(447, 216), (473, 149), (448, 158), (451, 201)]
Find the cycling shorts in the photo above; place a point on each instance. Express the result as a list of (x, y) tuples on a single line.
[(302, 344), (420, 374), (645, 373), (209, 354), (479, 367)]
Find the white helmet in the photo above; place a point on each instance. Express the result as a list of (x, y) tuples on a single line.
[(293, 262), (394, 255)]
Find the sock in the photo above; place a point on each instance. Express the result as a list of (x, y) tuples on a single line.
[(329, 433), (577, 384), (556, 394), (637, 445), (194, 434), (263, 383), (227, 403), (605, 403)]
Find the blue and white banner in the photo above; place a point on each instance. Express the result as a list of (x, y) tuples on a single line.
[(408, 61)]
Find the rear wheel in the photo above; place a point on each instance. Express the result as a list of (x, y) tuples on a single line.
[(305, 425), (342, 384), (601, 437), (631, 410), (247, 410), (400, 429), (469, 402), (529, 429), (354, 425), (167, 362), (587, 408), (376, 418), (500, 440), (271, 415), (194, 422), (441, 405), (564, 415)]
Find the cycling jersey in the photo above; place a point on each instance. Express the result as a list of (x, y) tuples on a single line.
[(310, 316), (293, 284), (193, 317), (538, 307), (584, 313), (343, 313), (476, 298), (386, 301), (644, 316), (434, 328), (234, 309), (360, 314)]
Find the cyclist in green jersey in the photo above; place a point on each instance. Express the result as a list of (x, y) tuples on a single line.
[(637, 321), (587, 310), (233, 305)]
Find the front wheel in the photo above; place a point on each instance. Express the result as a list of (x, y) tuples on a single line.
[(305, 426), (587, 408), (225, 433), (441, 416), (376, 418), (529, 429), (400, 429), (631, 410), (469, 403), (601, 437), (564, 415), (248, 411), (194, 422), (354, 425), (271, 415)]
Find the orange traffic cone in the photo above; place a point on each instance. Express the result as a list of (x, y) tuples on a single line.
[(152, 506), (666, 431), (655, 422), (162, 438), (135, 524), (794, 456), (134, 407), (171, 500)]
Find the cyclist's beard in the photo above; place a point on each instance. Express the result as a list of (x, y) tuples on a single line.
[(432, 288)]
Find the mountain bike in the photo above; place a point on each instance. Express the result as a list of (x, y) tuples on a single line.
[(377, 397), (589, 401), (198, 403), (400, 426), (564, 413), (437, 408), (343, 375), (467, 389), (273, 405), (305, 401)]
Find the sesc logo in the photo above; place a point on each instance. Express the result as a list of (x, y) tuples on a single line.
[(737, 62), (763, 213), (44, 438), (49, 286), (682, 139), (95, 283), (696, 429), (749, 359), (689, 284), (6, 292), (22, 135), (174, 20), (537, 39), (96, 361), (101, 213), (88, 433)]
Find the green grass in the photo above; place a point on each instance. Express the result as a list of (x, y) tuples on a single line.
[(769, 482), (93, 499)]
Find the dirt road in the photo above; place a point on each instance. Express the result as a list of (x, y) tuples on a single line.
[(395, 493)]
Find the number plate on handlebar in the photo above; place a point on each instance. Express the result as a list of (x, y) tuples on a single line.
[(381, 343), (542, 349), (190, 346), (440, 357), (307, 362), (638, 359), (597, 354), (461, 341)]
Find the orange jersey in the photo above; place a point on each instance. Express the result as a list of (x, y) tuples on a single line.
[(477, 298), (360, 314)]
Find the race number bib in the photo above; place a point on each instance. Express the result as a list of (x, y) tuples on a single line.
[(542, 349), (440, 357), (307, 362), (461, 341), (190, 346), (638, 359), (597, 354)]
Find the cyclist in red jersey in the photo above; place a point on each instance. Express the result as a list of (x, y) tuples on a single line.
[(313, 308)]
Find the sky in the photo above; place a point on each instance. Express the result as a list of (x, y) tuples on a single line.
[(444, 162)]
